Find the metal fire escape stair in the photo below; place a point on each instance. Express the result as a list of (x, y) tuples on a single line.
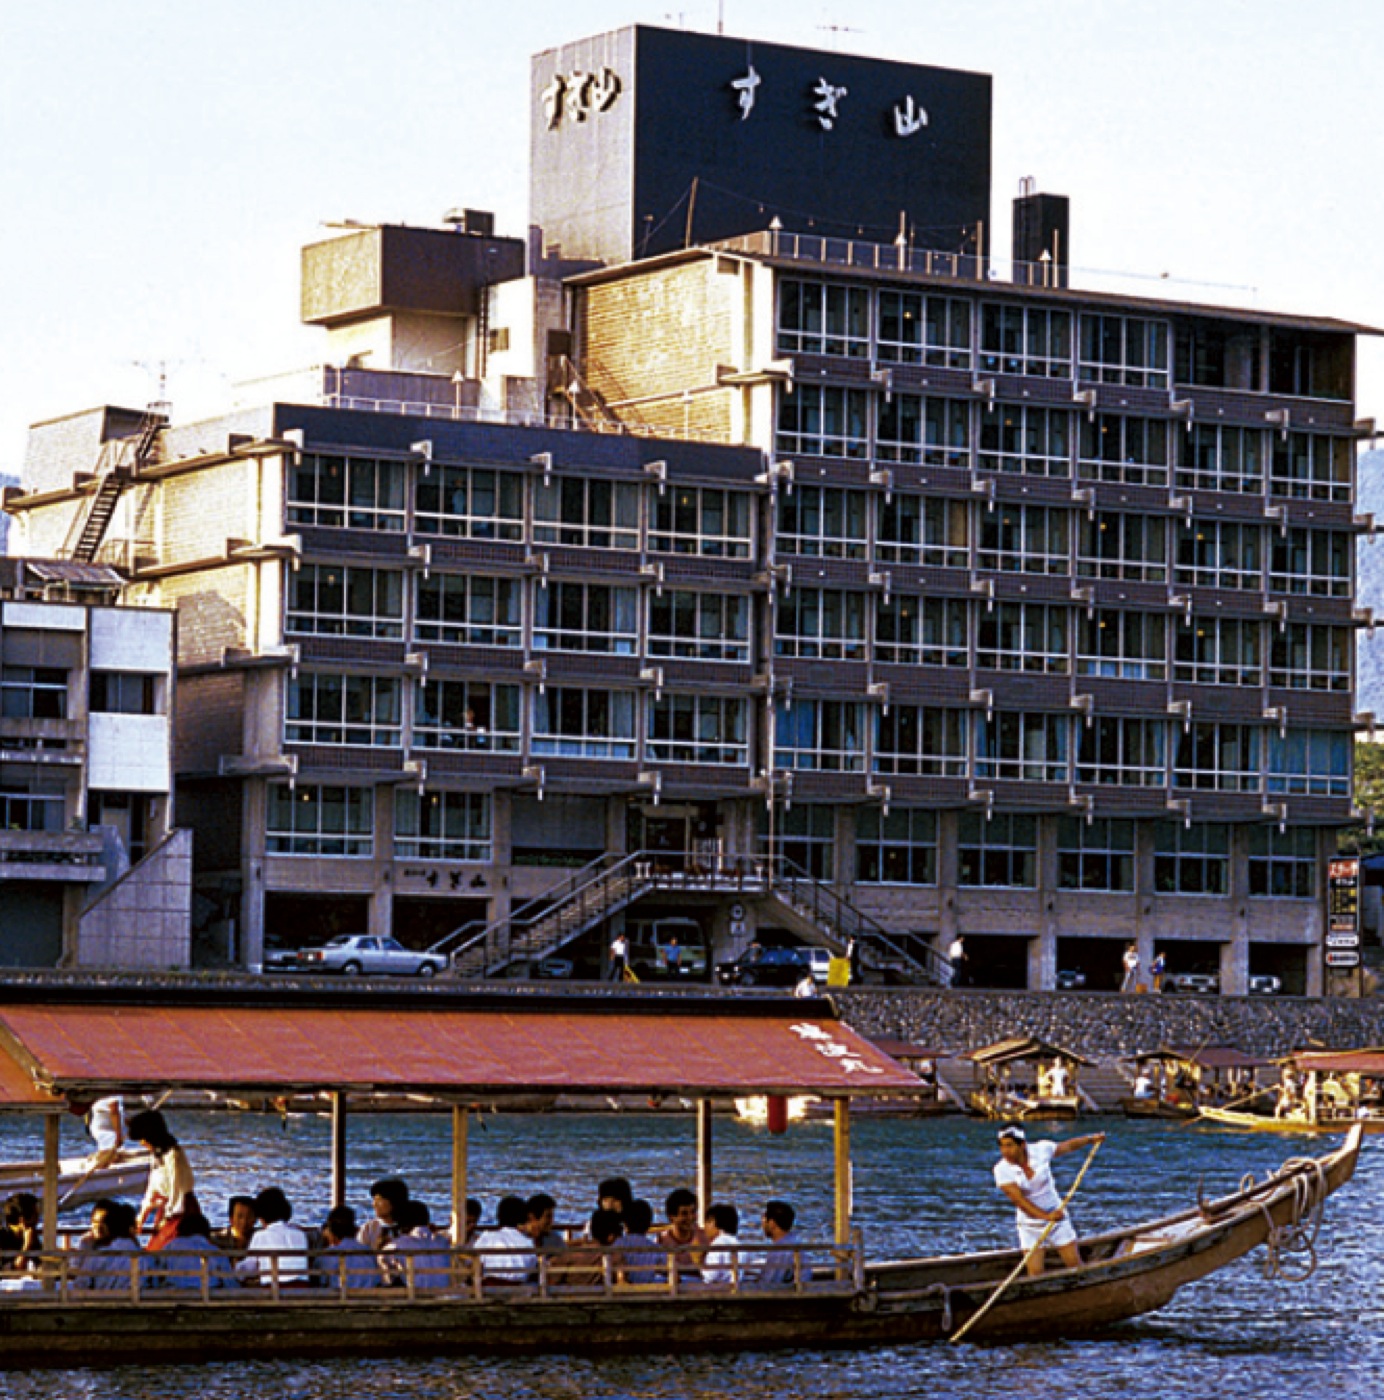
[(121, 461)]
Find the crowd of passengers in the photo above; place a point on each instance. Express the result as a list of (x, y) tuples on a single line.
[(398, 1246)]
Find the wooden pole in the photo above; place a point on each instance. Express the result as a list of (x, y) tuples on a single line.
[(841, 1120), (52, 1132), (460, 1166), (704, 1155), (338, 1148)]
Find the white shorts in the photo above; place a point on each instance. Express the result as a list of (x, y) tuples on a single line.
[(1031, 1230)]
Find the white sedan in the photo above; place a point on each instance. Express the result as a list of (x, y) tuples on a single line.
[(356, 953)]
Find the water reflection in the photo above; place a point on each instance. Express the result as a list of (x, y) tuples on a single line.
[(919, 1186)]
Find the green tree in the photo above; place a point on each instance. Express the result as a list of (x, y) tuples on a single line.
[(1367, 835)]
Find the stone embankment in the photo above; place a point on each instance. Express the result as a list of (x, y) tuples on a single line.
[(1108, 1026)]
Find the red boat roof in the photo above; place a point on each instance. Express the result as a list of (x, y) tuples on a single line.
[(460, 1051), (1368, 1062)]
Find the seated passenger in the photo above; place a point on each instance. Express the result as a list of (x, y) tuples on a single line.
[(778, 1267), (182, 1262), (584, 1264), (683, 1236), (516, 1264), (387, 1195), (539, 1211), (641, 1259), (722, 1262), (614, 1193), (278, 1248), (103, 1256), (234, 1239), (19, 1235), (419, 1250), (345, 1261)]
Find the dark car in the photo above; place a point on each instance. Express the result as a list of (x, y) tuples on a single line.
[(766, 967), (1069, 979)]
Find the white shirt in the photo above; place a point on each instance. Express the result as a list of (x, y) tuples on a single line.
[(514, 1267), (287, 1242), (719, 1264), (1057, 1081), (107, 1124), (1039, 1189)]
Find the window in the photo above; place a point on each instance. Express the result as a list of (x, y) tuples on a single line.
[(701, 520), (339, 601), (1124, 350), (898, 849), (936, 432), (1316, 562), (586, 617), (473, 503), (805, 836), (823, 735), (823, 421), (1024, 539), (125, 692), (1310, 656), (326, 708), (1191, 859), (1218, 458), (1282, 864), (475, 715), (31, 806), (310, 819), (821, 318), (436, 825), (920, 741), (1218, 757), (927, 530), (1023, 637), (1218, 651), (1118, 545), (1025, 340), (1095, 855), (1023, 747), (1219, 554), (1126, 752), (698, 729), (1309, 763), (469, 610), (1035, 441), (573, 722), (820, 624), (586, 512), (929, 330), (1311, 466), (998, 852), (699, 626), (357, 493), (913, 631), (1128, 451), (33, 692), (1130, 646), (823, 521)]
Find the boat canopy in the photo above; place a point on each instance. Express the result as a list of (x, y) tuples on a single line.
[(1212, 1057), (1024, 1047), (465, 1049), (1368, 1062)]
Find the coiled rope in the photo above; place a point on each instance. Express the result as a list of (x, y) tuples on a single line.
[(1291, 1248)]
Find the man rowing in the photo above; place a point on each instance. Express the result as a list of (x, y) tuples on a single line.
[(1024, 1174)]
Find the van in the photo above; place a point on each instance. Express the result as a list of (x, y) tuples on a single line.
[(652, 942)]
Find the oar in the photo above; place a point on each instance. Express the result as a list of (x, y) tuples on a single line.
[(1037, 1245)]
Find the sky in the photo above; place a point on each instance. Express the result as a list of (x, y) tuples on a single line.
[(162, 162)]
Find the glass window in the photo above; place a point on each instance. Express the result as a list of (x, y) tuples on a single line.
[(927, 530), (1125, 752), (823, 318), (1191, 859), (997, 852), (1124, 350), (478, 715), (1218, 757), (31, 805), (823, 420), (1120, 545), (125, 692), (1124, 645), (440, 825), (823, 735), (1024, 539), (1023, 637), (586, 617), (921, 741), (574, 722), (33, 692), (1023, 747), (805, 836), (312, 819), (1219, 554), (328, 708), (823, 521), (1310, 656), (699, 626), (357, 493), (935, 432), (1218, 651), (338, 600), (1309, 763), (469, 610), (701, 520), (1034, 441), (1282, 864), (1127, 450), (586, 512), (918, 329), (913, 631), (820, 624), (897, 849), (698, 729), (474, 503), (1025, 340), (1312, 466), (1214, 457), (1318, 563), (1095, 855)]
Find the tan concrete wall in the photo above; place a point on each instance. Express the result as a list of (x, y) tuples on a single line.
[(144, 920)]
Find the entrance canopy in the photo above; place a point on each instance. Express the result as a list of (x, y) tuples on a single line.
[(464, 1049)]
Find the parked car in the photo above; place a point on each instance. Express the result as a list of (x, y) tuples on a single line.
[(667, 950), (766, 967), (1263, 984), (1069, 979), (356, 953), (1202, 983), (554, 969), (819, 960), (280, 960)]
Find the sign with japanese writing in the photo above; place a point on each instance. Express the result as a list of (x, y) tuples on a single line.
[(1343, 901)]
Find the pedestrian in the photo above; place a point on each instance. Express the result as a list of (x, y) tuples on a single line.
[(619, 957), (956, 957), (1156, 970), (1131, 967)]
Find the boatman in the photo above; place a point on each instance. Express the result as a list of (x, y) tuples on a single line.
[(1024, 1174)]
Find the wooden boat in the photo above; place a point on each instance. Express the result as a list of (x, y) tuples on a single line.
[(1320, 1091), (1015, 1079), (80, 1180), (465, 1047), (1182, 1079)]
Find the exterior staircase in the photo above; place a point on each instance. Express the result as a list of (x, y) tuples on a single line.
[(121, 461)]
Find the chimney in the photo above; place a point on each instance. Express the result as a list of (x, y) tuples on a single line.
[(1041, 244)]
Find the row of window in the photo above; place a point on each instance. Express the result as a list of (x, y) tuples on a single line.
[(897, 848), (828, 421), (485, 503), (42, 692)]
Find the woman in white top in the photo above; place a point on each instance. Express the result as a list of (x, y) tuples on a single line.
[(1024, 1174), (170, 1177), (277, 1246)]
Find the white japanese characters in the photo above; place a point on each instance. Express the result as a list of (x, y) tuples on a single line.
[(745, 89), (828, 97), (909, 118), (574, 96), (825, 1044)]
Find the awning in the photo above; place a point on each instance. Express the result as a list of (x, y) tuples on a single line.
[(19, 1093), (1214, 1057), (1369, 1062), (1023, 1047), (461, 1051)]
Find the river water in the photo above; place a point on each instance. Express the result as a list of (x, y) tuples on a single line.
[(921, 1186)]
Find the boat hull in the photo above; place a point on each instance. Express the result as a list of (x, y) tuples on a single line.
[(1266, 1123), (78, 1183)]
